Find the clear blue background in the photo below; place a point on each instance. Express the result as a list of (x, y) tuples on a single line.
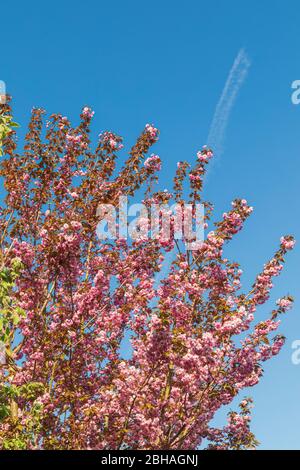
[(166, 62)]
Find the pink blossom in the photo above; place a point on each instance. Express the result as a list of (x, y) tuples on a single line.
[(88, 112), (153, 163), (287, 243), (284, 303)]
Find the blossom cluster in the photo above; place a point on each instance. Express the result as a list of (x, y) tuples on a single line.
[(76, 300), (153, 163)]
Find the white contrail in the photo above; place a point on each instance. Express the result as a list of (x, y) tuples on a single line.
[(235, 79)]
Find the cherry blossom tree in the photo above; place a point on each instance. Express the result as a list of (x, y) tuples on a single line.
[(68, 299)]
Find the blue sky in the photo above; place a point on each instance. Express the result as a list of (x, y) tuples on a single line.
[(166, 63)]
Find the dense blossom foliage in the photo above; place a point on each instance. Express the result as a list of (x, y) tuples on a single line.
[(68, 300)]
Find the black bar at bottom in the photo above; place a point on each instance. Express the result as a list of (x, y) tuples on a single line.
[(134, 459)]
